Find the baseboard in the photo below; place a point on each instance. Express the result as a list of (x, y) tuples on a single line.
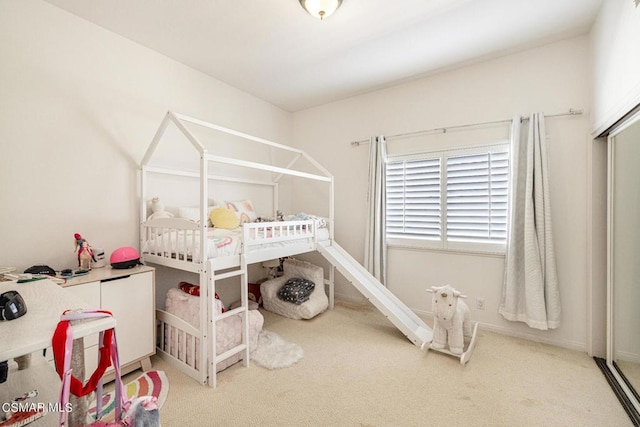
[(352, 299), (428, 316), (619, 392), (571, 345)]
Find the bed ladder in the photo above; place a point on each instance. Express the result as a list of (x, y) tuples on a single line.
[(243, 310), (382, 298)]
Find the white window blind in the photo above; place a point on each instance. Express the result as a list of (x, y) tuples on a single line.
[(452, 199), (477, 197), (413, 199)]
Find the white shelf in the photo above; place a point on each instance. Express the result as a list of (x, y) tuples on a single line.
[(39, 377)]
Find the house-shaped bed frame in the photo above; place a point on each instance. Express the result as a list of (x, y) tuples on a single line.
[(182, 244)]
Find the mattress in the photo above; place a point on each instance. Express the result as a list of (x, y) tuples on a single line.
[(228, 330)]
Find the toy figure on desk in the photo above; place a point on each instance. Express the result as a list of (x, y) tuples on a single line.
[(85, 254)]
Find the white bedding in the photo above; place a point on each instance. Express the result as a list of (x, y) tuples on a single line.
[(222, 242), (228, 331)]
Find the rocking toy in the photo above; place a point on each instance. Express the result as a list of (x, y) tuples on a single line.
[(451, 323)]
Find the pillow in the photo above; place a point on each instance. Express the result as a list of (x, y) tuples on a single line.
[(296, 290), (189, 288), (224, 218), (193, 213), (195, 291), (243, 210)]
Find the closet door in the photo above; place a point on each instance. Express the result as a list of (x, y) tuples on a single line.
[(623, 340)]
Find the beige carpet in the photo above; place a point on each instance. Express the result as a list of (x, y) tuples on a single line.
[(359, 370)]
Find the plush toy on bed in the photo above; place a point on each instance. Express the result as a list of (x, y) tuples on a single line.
[(451, 322), (157, 207)]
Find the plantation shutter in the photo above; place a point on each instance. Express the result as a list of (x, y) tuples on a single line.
[(413, 199), (476, 197)]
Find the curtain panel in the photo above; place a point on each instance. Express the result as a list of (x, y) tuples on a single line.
[(531, 291), (375, 253)]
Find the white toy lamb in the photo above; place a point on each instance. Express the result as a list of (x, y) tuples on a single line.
[(451, 322)]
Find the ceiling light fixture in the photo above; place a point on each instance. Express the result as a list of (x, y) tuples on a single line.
[(320, 8)]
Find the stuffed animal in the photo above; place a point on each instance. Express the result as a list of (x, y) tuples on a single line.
[(451, 322), (143, 412), (157, 207)]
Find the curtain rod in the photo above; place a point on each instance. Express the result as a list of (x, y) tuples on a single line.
[(571, 112)]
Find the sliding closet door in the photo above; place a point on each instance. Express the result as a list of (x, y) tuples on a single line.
[(623, 355)]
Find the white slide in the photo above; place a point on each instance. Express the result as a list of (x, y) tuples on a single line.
[(395, 310)]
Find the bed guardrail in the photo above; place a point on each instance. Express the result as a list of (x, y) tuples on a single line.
[(171, 238), (171, 241), (259, 233)]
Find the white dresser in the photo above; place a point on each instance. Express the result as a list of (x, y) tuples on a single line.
[(130, 295)]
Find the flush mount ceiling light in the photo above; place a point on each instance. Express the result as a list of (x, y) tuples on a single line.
[(320, 8)]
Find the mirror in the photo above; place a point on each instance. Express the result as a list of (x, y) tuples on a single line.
[(623, 341)]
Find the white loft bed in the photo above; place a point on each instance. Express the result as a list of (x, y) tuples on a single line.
[(184, 244)]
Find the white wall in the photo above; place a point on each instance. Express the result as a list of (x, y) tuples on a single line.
[(78, 108), (615, 43), (551, 79)]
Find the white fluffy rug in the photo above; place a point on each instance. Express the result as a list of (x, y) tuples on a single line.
[(274, 352)]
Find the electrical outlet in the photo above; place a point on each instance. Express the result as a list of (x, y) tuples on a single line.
[(480, 303)]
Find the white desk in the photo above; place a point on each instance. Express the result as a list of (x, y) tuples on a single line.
[(32, 332), (45, 303)]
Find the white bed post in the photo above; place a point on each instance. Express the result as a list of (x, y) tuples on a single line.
[(207, 314), (210, 306), (143, 205), (331, 208), (276, 200), (244, 300), (332, 270)]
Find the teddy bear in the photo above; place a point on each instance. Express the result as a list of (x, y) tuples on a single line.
[(451, 319), (157, 209)]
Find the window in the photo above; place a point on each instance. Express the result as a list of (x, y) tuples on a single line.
[(451, 200)]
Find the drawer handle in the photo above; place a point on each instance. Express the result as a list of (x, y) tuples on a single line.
[(114, 278)]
